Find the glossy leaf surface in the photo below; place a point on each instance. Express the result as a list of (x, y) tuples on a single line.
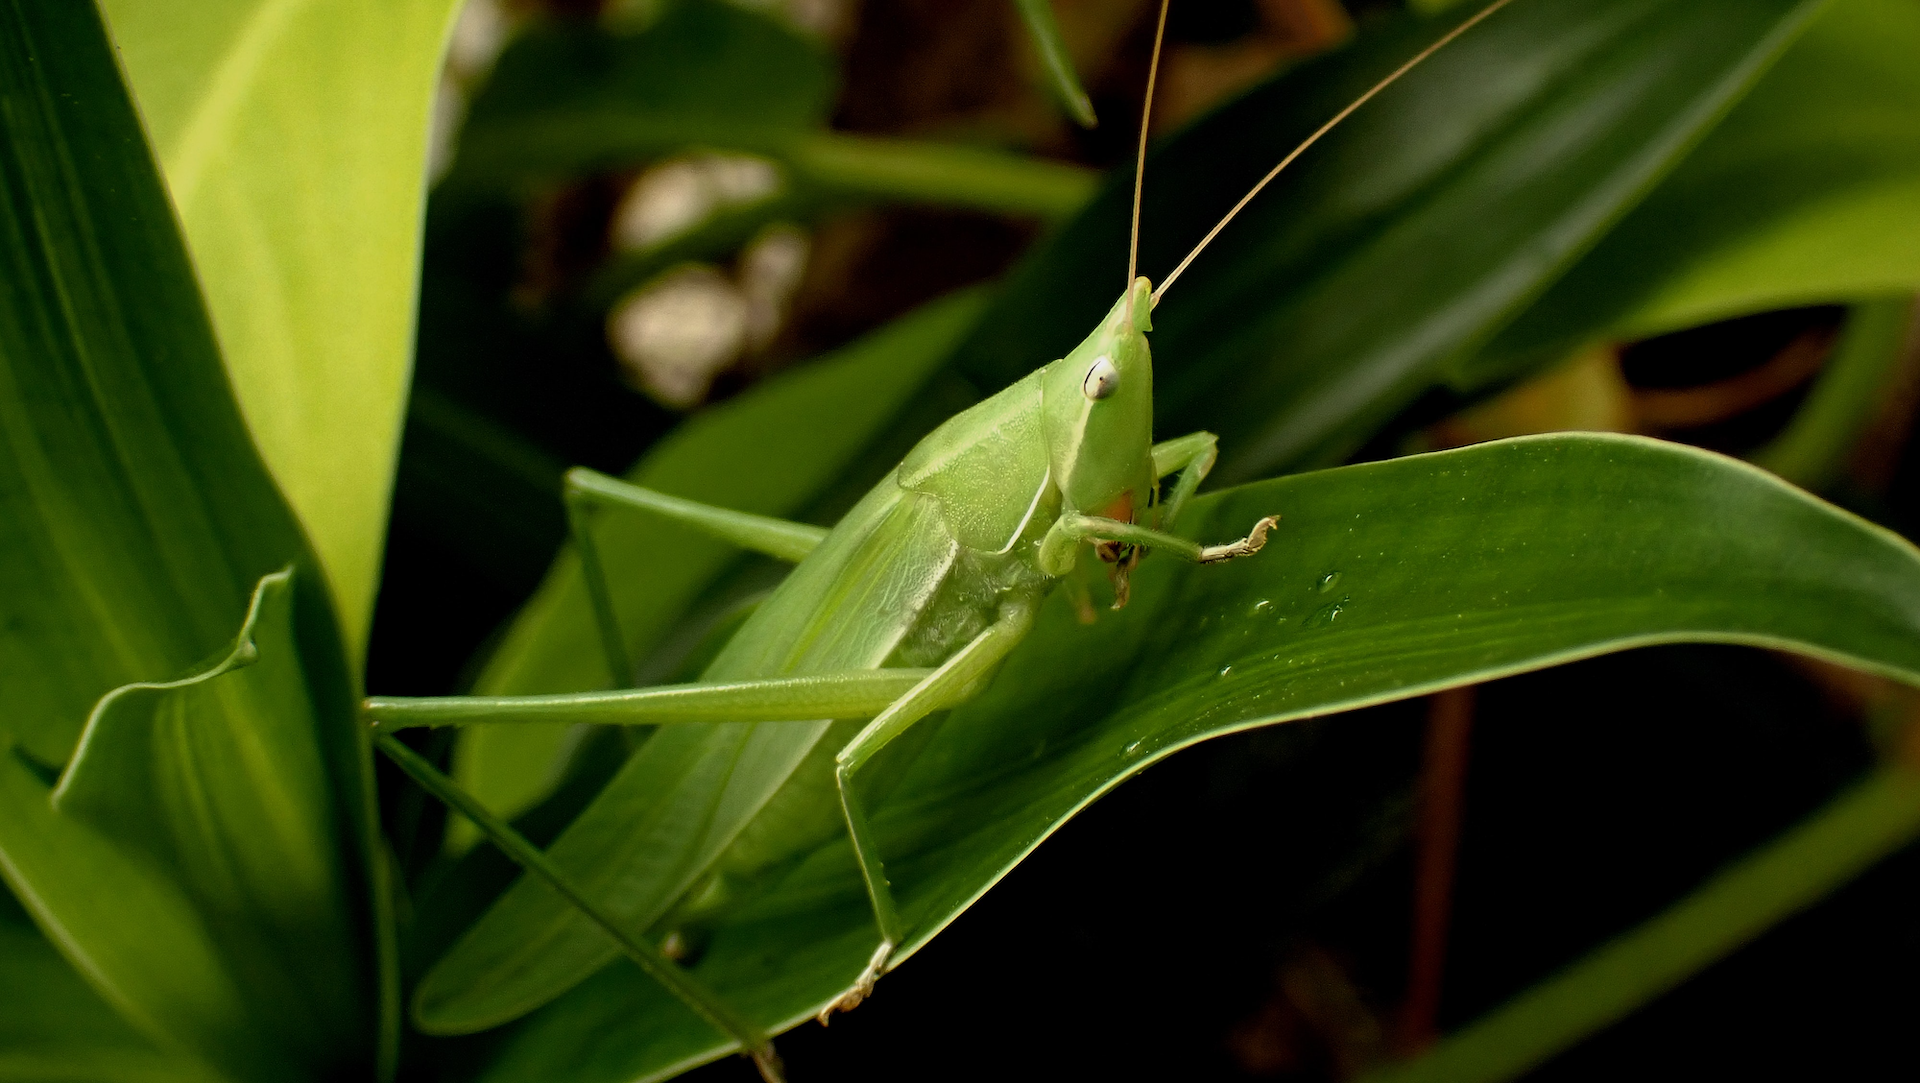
[(1408, 236), (1808, 192), (1385, 580), (294, 139), (135, 521)]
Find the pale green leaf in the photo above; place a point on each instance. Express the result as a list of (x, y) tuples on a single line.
[(294, 137)]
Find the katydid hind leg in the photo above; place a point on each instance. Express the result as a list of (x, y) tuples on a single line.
[(684, 986), (946, 686)]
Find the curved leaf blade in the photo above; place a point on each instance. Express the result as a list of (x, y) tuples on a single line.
[(1385, 580), (294, 137), (198, 804), (135, 518), (55, 1027), (1808, 192), (1407, 237)]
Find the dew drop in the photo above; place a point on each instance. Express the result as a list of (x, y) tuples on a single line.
[(1326, 614), (1260, 607), (1327, 582), (1226, 671), (1134, 747)]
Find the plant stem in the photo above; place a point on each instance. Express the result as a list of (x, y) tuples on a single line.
[(1865, 823), (1813, 449)]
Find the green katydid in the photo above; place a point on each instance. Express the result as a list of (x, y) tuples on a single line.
[(906, 607)]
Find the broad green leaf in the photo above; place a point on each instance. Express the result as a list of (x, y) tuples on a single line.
[(1385, 580), (771, 452), (1808, 192), (200, 805), (135, 520), (1869, 821), (294, 140), (52, 1027), (1408, 236)]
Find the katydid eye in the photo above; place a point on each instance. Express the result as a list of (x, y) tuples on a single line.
[(1102, 379)]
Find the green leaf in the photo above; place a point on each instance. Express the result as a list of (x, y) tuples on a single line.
[(1045, 34), (1384, 580), (200, 805), (1408, 236), (55, 1028), (1808, 192), (771, 453), (294, 140), (135, 520)]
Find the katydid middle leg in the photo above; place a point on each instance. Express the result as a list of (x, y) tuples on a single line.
[(1193, 456), (588, 492)]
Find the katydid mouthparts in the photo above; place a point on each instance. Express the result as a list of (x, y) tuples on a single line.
[(906, 607)]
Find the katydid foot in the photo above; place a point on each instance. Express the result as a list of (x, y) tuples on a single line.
[(1245, 547), (862, 987)]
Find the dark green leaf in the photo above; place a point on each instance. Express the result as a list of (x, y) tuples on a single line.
[(1408, 236), (1808, 192), (1385, 580), (52, 1027), (135, 519)]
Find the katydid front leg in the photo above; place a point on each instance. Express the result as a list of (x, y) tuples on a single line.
[(1060, 548), (943, 687)]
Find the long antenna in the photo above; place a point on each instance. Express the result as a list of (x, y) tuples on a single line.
[(1140, 163), (1315, 138)]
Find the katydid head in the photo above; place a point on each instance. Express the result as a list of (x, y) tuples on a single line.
[(1097, 406)]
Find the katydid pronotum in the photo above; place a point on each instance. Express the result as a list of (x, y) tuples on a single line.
[(905, 608)]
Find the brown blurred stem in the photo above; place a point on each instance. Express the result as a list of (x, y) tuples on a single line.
[(1693, 407), (1443, 777)]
